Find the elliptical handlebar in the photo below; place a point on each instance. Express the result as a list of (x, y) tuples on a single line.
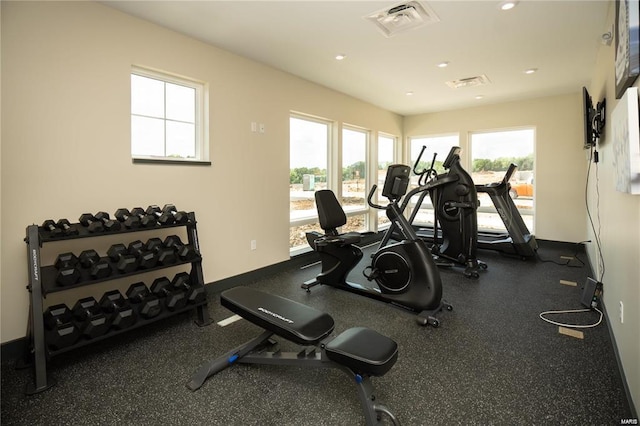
[(425, 174), (370, 197), (415, 165)]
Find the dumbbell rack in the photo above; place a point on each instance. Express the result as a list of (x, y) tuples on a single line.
[(42, 280)]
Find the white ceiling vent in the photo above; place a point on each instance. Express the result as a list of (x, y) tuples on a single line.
[(480, 80), (402, 17)]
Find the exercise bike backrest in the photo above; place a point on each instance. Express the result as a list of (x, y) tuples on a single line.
[(330, 213)]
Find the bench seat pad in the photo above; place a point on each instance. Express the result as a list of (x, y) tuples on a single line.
[(294, 321), (363, 350)]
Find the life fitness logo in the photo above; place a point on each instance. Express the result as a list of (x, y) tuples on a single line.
[(273, 314)]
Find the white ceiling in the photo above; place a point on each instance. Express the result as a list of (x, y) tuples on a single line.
[(559, 38)]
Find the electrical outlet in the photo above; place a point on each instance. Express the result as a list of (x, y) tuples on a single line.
[(254, 245), (621, 312)]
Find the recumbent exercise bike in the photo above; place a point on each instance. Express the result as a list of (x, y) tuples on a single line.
[(404, 272)]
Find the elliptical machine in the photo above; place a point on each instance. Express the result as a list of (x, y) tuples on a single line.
[(454, 236), (404, 272)]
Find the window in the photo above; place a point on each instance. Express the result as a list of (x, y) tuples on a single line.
[(354, 169), (440, 145), (308, 152), (167, 118), (491, 154)]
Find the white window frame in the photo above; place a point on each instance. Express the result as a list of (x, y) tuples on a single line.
[(375, 214), (201, 118), (357, 211)]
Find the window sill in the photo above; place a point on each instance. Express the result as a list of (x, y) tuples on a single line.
[(170, 161)]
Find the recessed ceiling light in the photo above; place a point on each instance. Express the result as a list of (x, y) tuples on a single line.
[(531, 71), (340, 57), (508, 5), (409, 93), (479, 97), (443, 64)]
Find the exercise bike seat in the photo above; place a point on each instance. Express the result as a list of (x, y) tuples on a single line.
[(331, 217), (291, 320)]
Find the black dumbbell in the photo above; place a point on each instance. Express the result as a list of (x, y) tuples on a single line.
[(161, 217), (165, 255), (125, 262), (146, 220), (173, 300), (67, 266), (90, 318), (50, 226), (99, 268), (129, 221), (179, 216), (148, 305), (107, 222), (185, 252), (195, 293), (60, 331), (92, 224), (66, 226), (118, 309), (146, 259)]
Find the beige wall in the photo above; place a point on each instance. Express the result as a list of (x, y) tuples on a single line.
[(65, 150), (560, 172), (619, 226), (66, 138)]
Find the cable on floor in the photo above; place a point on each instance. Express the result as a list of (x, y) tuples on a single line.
[(571, 311)]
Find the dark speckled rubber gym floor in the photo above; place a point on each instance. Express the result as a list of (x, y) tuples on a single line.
[(492, 361)]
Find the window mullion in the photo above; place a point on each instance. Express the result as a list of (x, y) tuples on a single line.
[(165, 117)]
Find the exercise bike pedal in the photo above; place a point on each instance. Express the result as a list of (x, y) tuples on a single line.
[(432, 321)]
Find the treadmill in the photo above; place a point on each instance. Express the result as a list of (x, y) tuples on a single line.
[(518, 240)]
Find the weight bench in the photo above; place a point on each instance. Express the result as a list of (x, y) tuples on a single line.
[(358, 351)]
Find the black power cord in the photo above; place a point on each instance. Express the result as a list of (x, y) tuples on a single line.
[(568, 262), (596, 232)]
